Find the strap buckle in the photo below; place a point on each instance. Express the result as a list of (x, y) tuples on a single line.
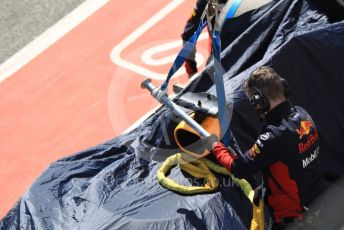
[(211, 11)]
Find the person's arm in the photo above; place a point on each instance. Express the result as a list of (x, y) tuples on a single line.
[(263, 153), (192, 23), (190, 28)]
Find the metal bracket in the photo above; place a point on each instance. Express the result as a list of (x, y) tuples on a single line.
[(199, 102)]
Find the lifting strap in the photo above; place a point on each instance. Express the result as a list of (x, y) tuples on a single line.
[(183, 54), (210, 13), (190, 45), (201, 168), (224, 113), (233, 8), (198, 168)]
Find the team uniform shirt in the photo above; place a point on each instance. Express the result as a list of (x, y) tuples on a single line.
[(288, 151), (192, 23)]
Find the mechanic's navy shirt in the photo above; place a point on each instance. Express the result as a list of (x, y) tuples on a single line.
[(288, 150)]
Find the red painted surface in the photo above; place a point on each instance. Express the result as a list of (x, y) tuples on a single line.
[(72, 96)]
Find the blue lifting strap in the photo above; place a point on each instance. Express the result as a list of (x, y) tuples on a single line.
[(190, 45), (227, 138), (232, 10), (224, 114), (184, 53)]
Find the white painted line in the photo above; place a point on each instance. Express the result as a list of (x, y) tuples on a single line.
[(148, 55), (115, 54), (49, 37)]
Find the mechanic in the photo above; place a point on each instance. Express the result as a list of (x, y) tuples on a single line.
[(190, 28), (286, 152)]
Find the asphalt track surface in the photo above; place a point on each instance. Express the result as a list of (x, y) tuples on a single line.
[(84, 88), (23, 20)]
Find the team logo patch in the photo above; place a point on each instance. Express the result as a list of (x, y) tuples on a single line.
[(309, 142), (259, 143), (305, 127), (254, 151), (264, 136)]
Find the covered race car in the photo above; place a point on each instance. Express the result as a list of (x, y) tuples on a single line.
[(114, 185)]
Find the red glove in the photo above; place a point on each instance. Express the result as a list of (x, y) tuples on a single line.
[(224, 155), (190, 67)]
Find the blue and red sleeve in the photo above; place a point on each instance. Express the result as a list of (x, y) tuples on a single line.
[(259, 156)]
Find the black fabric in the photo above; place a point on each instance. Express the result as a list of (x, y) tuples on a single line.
[(114, 186), (333, 8), (318, 88)]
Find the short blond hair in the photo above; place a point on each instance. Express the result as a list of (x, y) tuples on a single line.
[(267, 80)]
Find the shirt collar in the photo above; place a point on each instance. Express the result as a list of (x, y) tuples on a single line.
[(282, 110)]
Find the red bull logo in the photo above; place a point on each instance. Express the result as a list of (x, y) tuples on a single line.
[(311, 140), (304, 129)]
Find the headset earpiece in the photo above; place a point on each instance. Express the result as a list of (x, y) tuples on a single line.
[(258, 98)]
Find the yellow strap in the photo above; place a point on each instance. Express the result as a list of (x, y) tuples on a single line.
[(211, 181), (257, 222), (242, 183), (198, 168)]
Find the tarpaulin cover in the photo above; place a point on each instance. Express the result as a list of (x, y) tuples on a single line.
[(114, 185)]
